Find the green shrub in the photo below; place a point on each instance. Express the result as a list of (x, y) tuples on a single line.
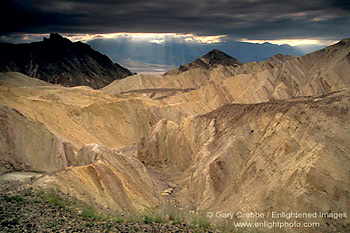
[(51, 224), (119, 220), (90, 213), (147, 219), (11, 222), (89, 224), (40, 193), (16, 198), (158, 219), (26, 194), (54, 200)]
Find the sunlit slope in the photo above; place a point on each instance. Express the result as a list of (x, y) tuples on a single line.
[(283, 156), (34, 112), (261, 136), (314, 74), (43, 127), (280, 77), (107, 178)]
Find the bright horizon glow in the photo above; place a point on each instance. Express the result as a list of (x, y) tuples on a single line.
[(151, 37), (293, 42), (159, 38)]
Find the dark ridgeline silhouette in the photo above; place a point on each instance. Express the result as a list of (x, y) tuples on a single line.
[(209, 61), (58, 60)]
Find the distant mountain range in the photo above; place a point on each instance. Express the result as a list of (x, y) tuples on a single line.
[(176, 53), (59, 61)]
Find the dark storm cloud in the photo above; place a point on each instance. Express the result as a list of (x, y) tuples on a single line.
[(252, 19)]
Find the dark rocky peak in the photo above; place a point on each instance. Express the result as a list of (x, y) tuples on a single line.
[(217, 57), (60, 61), (57, 39), (209, 61)]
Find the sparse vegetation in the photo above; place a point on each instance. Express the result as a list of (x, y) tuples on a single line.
[(89, 224), (52, 224), (56, 201), (10, 222), (69, 209), (16, 198), (26, 194), (205, 223), (198, 230), (147, 219), (40, 193), (158, 219), (177, 222), (53, 199), (119, 220), (90, 213), (225, 226)]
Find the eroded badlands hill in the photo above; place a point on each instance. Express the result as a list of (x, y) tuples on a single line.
[(314, 74), (277, 156), (44, 128), (280, 77), (267, 136)]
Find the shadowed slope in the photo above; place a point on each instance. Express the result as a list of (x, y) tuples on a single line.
[(58, 60)]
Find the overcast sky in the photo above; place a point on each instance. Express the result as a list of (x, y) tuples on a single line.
[(249, 20)]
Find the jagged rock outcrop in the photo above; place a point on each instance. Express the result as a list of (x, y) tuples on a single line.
[(59, 61), (209, 61)]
